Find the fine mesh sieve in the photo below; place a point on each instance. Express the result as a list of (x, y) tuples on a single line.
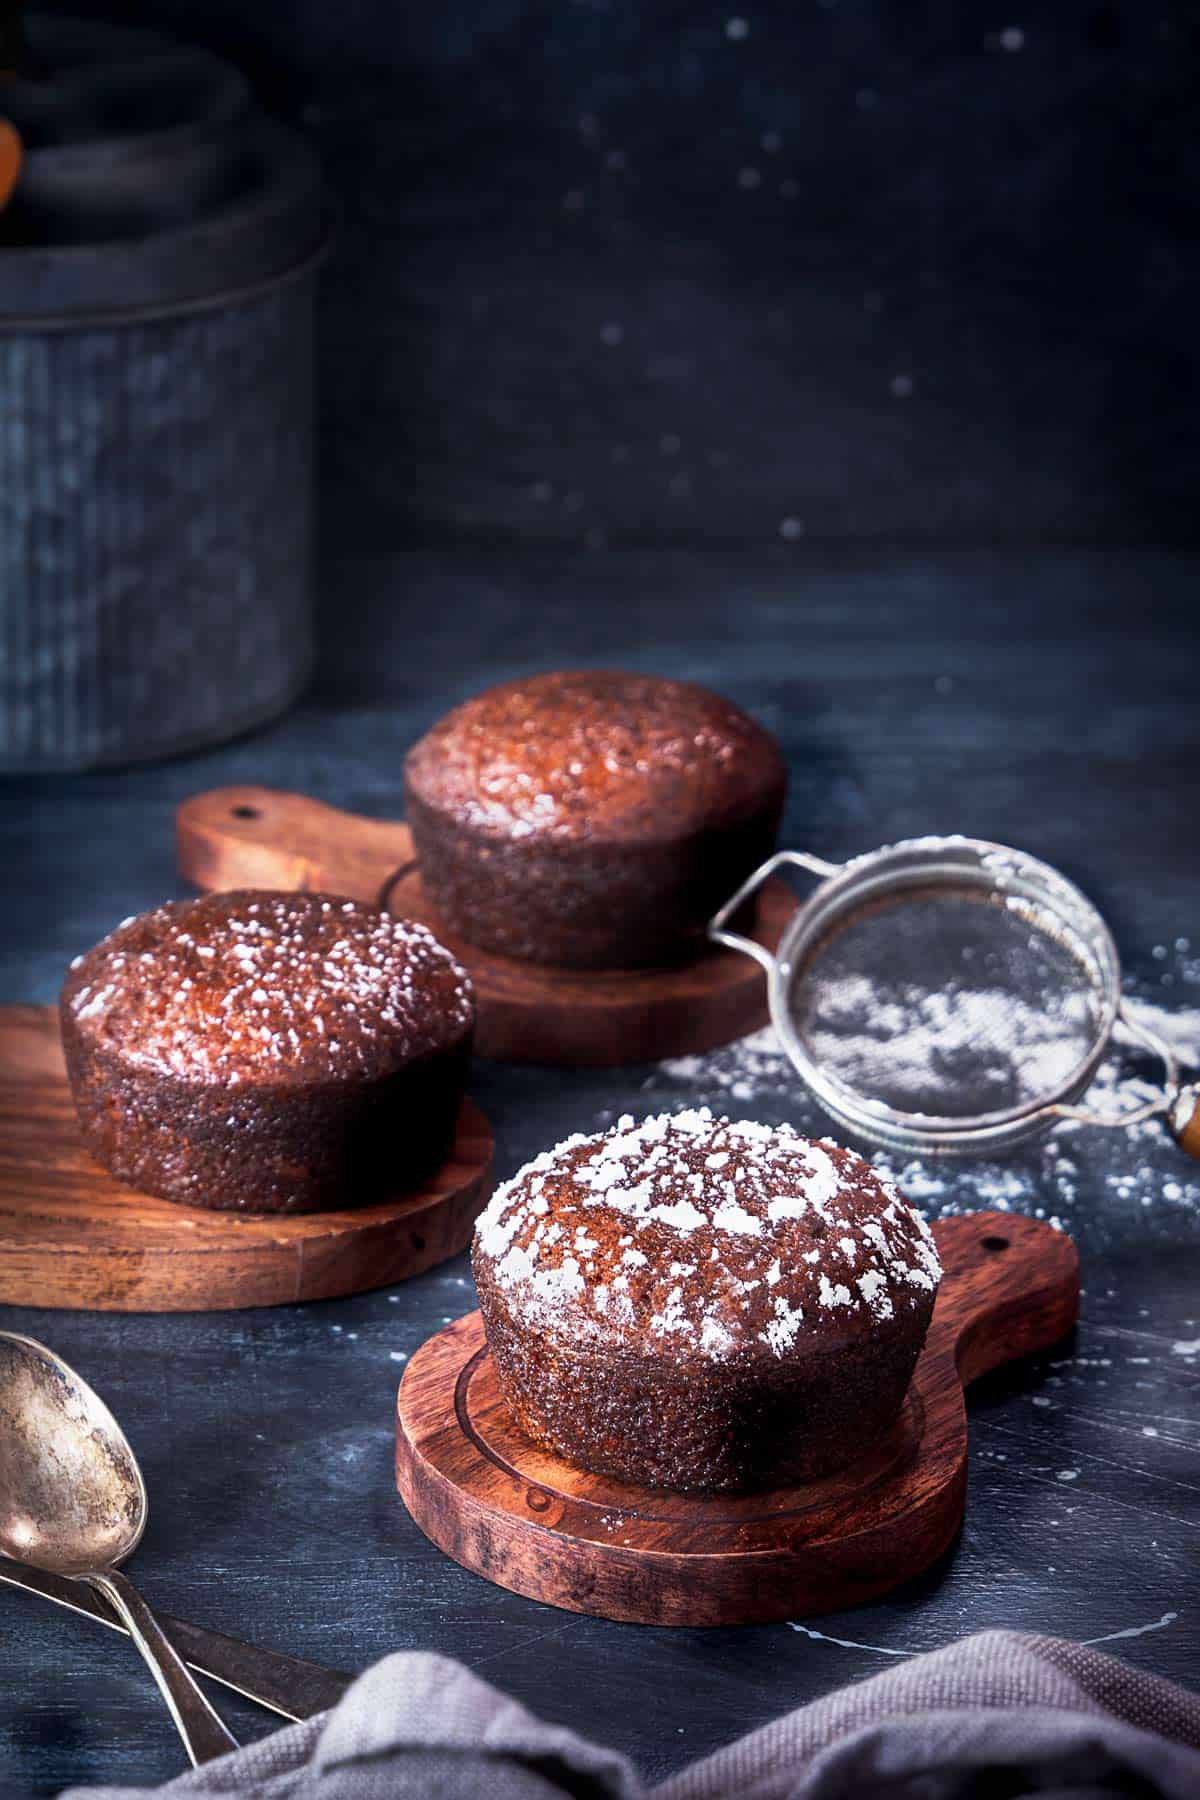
[(950, 995)]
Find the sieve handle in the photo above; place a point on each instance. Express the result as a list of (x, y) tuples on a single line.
[(731, 939), (1180, 1105), (1184, 1119)]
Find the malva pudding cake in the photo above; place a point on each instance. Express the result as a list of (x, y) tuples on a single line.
[(695, 1303), (268, 1052), (591, 819)]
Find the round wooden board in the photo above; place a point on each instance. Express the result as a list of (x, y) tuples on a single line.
[(512, 1512), (71, 1236), (251, 836)]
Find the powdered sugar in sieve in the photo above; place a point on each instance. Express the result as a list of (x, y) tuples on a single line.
[(947, 1002), (950, 994)]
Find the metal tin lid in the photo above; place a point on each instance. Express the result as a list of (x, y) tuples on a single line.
[(150, 183)]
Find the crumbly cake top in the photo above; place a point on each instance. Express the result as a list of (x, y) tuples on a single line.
[(704, 1238), (269, 987), (592, 753)]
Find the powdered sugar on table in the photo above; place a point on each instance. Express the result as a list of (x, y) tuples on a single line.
[(1051, 1177)]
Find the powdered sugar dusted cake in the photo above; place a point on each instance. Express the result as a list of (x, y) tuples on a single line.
[(693, 1302), (267, 1052), (591, 818)]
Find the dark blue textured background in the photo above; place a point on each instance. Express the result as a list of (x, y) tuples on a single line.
[(609, 273), (728, 357)]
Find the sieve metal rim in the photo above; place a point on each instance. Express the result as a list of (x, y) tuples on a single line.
[(986, 865)]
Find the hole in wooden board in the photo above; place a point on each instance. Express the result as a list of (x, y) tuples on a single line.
[(246, 812), (995, 1244)]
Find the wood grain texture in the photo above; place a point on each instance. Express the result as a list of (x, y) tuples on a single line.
[(72, 1236), (1187, 1120), (248, 836), (261, 837), (11, 157), (523, 1518)]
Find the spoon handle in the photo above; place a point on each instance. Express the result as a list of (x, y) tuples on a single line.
[(284, 1684), (203, 1734)]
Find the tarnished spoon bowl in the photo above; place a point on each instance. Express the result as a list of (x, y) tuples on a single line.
[(72, 1498), (73, 1502)]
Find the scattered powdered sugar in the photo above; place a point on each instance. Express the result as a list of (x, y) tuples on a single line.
[(1179, 1025), (743, 1070), (1138, 1165), (239, 987), (704, 1232)]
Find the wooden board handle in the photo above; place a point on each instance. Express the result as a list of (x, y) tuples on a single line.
[(1185, 1119), (1011, 1288), (11, 157), (261, 837)]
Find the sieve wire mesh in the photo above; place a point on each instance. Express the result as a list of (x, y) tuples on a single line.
[(947, 1001)]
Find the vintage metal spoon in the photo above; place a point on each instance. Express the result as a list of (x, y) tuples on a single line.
[(73, 1502)]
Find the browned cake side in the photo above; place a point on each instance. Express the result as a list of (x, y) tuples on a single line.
[(591, 819), (267, 1052), (699, 1304)]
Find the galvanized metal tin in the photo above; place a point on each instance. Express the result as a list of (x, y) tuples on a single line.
[(156, 410)]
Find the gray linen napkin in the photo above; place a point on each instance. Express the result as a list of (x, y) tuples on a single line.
[(1002, 1715)]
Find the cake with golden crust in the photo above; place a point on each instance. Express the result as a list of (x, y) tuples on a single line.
[(268, 1052), (591, 819), (702, 1304)]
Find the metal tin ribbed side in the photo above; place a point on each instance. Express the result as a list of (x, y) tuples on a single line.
[(155, 529)]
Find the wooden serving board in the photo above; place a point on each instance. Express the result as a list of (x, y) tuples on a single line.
[(258, 837), (529, 1522), (72, 1236)]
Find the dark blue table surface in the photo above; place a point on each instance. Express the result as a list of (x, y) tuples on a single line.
[(1044, 699)]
